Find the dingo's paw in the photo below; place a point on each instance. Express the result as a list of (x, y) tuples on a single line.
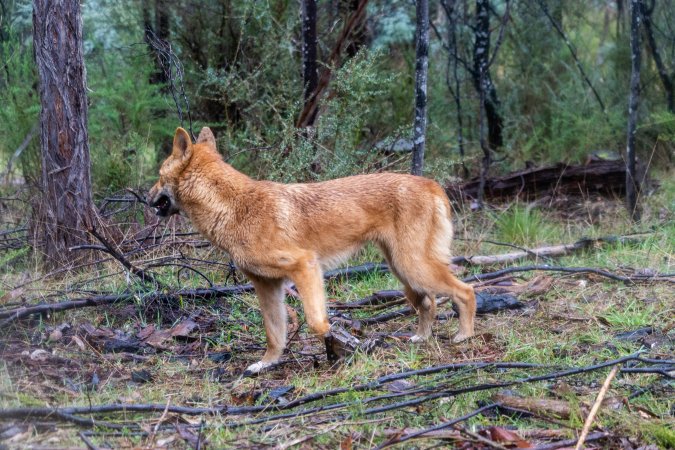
[(256, 368), (416, 338), (459, 337)]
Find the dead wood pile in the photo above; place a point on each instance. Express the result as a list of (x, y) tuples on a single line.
[(603, 177)]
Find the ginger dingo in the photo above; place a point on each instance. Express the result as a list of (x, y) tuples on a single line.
[(276, 232)]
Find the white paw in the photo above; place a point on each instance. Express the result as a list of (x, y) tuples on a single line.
[(459, 337), (257, 367), (416, 338)]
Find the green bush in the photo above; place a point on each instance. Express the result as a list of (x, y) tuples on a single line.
[(129, 119), (19, 105)]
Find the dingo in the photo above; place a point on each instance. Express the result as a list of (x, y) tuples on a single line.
[(276, 232)]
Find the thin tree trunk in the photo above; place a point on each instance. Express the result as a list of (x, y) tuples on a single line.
[(65, 211), (481, 75), (359, 36), (632, 183), (666, 79), (453, 57), (310, 74), (161, 33), (421, 69)]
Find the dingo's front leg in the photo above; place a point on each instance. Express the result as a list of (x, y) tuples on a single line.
[(271, 297), (308, 279)]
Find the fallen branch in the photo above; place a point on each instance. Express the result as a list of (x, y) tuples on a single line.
[(188, 294), (548, 251), (65, 413), (441, 426), (634, 279), (225, 291)]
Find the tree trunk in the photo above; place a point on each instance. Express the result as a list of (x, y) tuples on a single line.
[(160, 32), (421, 69), (66, 210), (666, 79), (453, 54), (310, 74), (481, 75), (359, 37), (632, 183)]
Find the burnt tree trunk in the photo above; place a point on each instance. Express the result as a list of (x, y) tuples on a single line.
[(310, 74), (481, 75), (66, 210), (632, 183), (421, 69)]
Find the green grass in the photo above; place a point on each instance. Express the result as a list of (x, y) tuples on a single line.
[(525, 225)]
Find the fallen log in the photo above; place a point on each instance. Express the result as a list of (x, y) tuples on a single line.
[(596, 177)]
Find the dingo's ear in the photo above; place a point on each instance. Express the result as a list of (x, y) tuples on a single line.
[(182, 144), (206, 135)]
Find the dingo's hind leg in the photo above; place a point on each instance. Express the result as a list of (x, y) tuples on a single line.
[(424, 277)]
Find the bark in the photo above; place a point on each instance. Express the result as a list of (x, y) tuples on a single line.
[(310, 74), (666, 79), (66, 209), (421, 70), (632, 181)]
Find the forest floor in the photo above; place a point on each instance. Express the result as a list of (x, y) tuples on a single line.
[(177, 352)]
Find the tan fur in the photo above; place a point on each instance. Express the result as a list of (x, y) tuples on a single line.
[(275, 232)]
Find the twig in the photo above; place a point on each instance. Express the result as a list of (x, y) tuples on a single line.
[(435, 428), (568, 442), (573, 51), (173, 71), (140, 273), (596, 407), (90, 445), (489, 442), (17, 153)]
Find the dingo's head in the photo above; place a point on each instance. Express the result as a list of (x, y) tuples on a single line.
[(162, 196)]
